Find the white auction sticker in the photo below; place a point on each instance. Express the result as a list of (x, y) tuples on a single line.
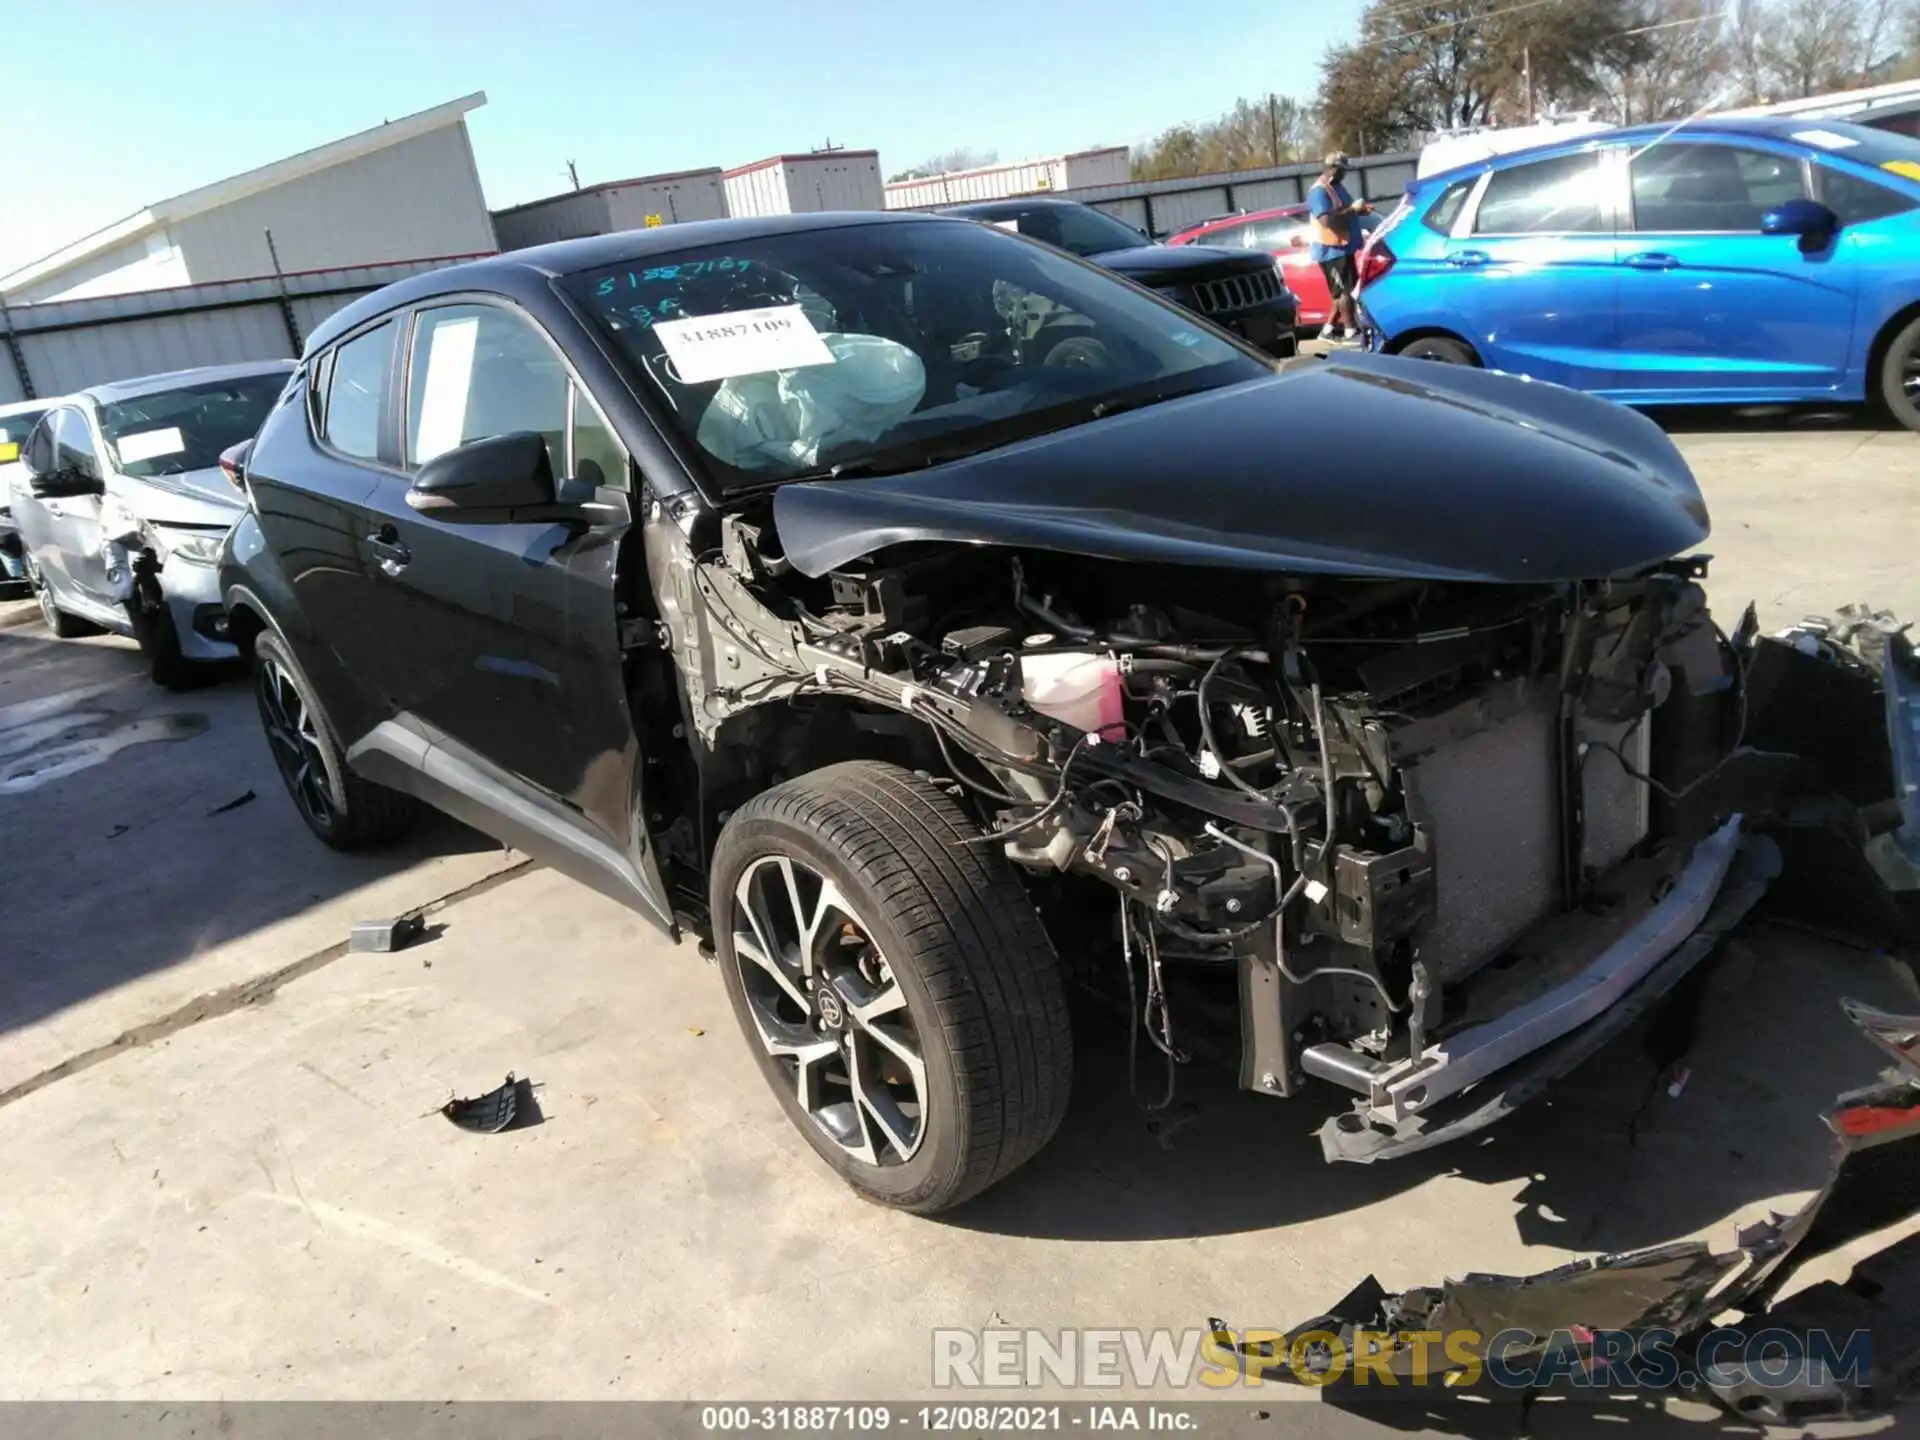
[(149, 445), (1825, 139), (742, 342)]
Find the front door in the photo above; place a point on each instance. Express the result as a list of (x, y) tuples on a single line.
[(1710, 306), (71, 552), (1532, 276), (503, 638)]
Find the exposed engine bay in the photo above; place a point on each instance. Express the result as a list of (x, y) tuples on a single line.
[(1415, 832)]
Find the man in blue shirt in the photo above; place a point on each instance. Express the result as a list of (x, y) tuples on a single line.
[(1332, 210)]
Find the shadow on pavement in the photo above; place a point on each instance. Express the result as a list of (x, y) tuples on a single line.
[(1765, 419), (1606, 1160), (127, 841)]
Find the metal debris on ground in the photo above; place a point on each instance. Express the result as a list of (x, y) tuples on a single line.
[(1707, 1309), (495, 1111), (381, 936), (246, 798)]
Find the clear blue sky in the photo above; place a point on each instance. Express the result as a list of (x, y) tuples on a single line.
[(110, 105)]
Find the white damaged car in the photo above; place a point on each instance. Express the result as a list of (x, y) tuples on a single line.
[(121, 504)]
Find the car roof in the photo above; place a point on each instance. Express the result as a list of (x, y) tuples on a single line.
[(21, 407), (1759, 127), (113, 391), (514, 271)]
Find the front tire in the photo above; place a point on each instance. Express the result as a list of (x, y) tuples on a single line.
[(1900, 375), (894, 981), (159, 641), (342, 809)]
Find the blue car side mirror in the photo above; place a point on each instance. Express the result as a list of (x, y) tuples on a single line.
[(1808, 219)]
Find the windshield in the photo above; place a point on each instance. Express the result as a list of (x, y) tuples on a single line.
[(13, 433), (888, 346), (1079, 229), (173, 431), (1863, 144)]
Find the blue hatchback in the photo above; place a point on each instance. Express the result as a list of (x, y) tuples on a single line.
[(1726, 261)]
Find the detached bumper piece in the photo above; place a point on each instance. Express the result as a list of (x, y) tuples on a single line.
[(1593, 1316)]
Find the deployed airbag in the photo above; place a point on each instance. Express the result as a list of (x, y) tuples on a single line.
[(784, 418)]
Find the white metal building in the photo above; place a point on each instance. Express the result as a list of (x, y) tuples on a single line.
[(799, 184), (1112, 165), (404, 190), (616, 205)]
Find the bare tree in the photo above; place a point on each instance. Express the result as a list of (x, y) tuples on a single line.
[(963, 158), (1688, 58), (1273, 130)]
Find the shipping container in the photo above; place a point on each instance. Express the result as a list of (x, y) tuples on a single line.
[(802, 184), (637, 204), (1112, 165)]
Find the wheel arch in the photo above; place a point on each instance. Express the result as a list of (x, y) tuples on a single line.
[(1877, 350)]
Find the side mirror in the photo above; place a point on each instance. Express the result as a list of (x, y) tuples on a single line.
[(66, 483), (1809, 219), (503, 480)]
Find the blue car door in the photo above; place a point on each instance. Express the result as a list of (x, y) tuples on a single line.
[(1709, 307), (1528, 272)]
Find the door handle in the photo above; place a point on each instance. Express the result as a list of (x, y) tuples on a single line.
[(1467, 258), (1653, 260), (388, 549)]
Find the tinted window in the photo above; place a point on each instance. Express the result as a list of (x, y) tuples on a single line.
[(1679, 186), (1857, 201), (174, 431), (38, 452), (356, 382), (1080, 229), (1279, 233), (479, 371), (1444, 212), (1547, 197), (1231, 237), (879, 344), (73, 443)]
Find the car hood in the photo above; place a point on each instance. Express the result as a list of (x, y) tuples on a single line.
[(193, 497), (1150, 263), (1363, 465)]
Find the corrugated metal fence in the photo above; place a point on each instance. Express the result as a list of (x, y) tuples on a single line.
[(66, 345), (1161, 207)]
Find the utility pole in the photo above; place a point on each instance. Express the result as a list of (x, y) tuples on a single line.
[(1273, 126), (1526, 69), (573, 175), (827, 147)]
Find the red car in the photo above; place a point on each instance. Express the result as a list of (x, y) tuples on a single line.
[(1283, 234)]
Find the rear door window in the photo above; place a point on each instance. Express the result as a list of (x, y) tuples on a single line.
[(1682, 187), (1559, 196), (356, 392)]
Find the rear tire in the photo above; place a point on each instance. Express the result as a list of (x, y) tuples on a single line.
[(1439, 347), (852, 894), (60, 624), (1900, 375), (342, 809)]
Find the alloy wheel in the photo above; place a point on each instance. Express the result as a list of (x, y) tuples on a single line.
[(43, 592), (295, 740), (1910, 372), (826, 1005)]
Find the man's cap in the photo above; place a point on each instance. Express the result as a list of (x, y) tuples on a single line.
[(1335, 157)]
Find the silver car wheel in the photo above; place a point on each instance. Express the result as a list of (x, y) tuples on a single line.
[(827, 1007)]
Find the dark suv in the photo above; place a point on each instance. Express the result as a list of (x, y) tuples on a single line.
[(1240, 290), (906, 608)]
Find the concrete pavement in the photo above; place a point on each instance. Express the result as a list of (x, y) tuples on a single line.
[(252, 1197)]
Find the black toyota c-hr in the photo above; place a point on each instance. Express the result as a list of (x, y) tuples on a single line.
[(900, 605)]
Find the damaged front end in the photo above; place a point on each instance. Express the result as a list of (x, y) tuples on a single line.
[(1422, 792), (1679, 1314)]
